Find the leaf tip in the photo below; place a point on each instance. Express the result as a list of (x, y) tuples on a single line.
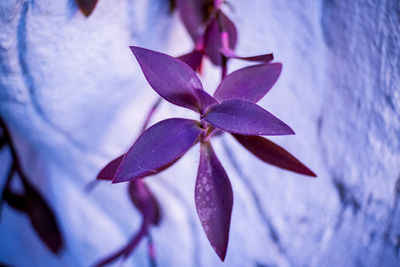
[(221, 254), (137, 51), (311, 173), (288, 130), (278, 68), (133, 49), (116, 180)]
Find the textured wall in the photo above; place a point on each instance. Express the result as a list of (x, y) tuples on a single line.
[(75, 98)]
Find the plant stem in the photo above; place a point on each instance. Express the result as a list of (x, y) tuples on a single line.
[(150, 114), (151, 251), (224, 68)]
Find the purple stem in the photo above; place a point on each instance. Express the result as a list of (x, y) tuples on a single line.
[(126, 250), (151, 251), (150, 114), (137, 238), (224, 68), (111, 258)]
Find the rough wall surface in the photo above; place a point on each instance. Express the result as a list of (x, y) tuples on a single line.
[(74, 96)]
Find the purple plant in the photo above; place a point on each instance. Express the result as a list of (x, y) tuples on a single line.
[(213, 33), (231, 109), (30, 201)]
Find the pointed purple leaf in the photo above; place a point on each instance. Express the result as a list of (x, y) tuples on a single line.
[(266, 58), (205, 100), (159, 146), (271, 153), (213, 43), (192, 59), (108, 172), (191, 12), (87, 6), (42, 218), (213, 37), (157, 215), (243, 117), (229, 27), (214, 199), (172, 79), (250, 83), (144, 200)]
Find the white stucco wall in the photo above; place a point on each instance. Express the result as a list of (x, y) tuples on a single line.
[(74, 96)]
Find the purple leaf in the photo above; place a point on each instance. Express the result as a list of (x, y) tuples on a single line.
[(242, 117), (250, 83), (108, 172), (213, 37), (157, 215), (191, 12), (159, 146), (87, 6), (205, 100), (172, 79), (213, 43), (145, 201), (271, 153), (192, 59), (214, 199), (266, 58), (229, 27), (42, 218)]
